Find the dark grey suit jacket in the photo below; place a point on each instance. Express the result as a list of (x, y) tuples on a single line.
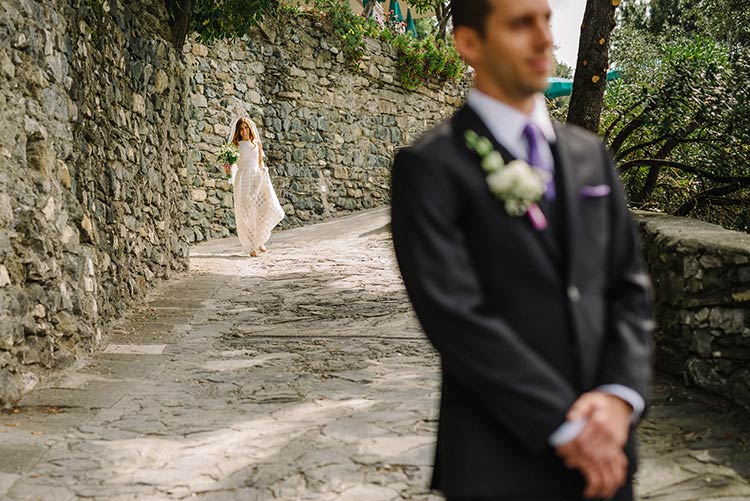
[(524, 320)]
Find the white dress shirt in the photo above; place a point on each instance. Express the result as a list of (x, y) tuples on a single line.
[(506, 124)]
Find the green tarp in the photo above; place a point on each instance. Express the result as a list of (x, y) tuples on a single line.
[(411, 28), (396, 8), (559, 87)]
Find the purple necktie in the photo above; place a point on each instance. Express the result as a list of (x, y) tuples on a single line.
[(533, 138)]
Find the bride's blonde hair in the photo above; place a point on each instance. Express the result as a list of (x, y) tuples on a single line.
[(236, 136)]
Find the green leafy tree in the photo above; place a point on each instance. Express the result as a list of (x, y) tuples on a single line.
[(229, 18), (214, 19), (664, 14), (678, 124), (634, 14), (426, 26), (560, 69), (725, 20), (442, 11)]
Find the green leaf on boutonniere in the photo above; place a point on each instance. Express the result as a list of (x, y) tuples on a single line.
[(484, 147), (493, 161), (481, 145), (472, 138)]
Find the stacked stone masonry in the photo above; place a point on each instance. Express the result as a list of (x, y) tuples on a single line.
[(93, 138), (701, 275), (108, 168), (329, 130), (108, 171)]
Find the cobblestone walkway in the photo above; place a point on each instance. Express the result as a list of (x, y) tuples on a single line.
[(300, 375)]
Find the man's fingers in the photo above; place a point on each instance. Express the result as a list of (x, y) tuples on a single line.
[(595, 479), (598, 432), (612, 471), (585, 406), (579, 409), (614, 475), (601, 461)]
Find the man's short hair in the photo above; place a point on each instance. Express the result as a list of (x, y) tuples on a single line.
[(471, 13)]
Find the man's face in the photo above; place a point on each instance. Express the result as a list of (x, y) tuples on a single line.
[(515, 53)]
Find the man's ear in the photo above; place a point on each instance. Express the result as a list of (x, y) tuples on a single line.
[(468, 44)]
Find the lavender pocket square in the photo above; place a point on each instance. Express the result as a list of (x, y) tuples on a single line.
[(596, 191)]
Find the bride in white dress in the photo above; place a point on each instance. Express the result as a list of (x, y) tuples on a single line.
[(256, 208)]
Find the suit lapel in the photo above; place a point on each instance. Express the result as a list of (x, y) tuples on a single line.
[(568, 181), (466, 119)]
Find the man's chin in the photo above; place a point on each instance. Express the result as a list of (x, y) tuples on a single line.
[(538, 87)]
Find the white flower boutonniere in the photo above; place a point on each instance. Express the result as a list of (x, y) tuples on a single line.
[(518, 184)]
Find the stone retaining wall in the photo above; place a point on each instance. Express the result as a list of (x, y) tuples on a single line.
[(329, 131), (701, 275), (91, 206), (100, 193)]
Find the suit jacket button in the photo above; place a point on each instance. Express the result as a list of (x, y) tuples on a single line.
[(573, 294)]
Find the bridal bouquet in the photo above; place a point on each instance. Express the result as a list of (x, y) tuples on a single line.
[(228, 155)]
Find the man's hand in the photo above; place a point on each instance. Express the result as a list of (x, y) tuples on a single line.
[(597, 452), (604, 474)]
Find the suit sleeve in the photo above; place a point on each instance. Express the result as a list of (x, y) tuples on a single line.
[(626, 359), (478, 349)]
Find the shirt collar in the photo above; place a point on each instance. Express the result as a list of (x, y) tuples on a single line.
[(506, 123)]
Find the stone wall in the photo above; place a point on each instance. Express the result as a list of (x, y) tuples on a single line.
[(701, 275), (93, 136), (329, 131)]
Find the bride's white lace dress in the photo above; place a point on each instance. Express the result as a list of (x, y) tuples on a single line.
[(256, 207)]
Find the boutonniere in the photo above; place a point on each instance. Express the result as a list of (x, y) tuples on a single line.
[(517, 183)]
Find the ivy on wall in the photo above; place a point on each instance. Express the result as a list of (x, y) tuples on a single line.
[(419, 61)]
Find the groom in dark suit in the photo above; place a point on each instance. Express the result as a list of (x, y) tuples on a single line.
[(521, 261)]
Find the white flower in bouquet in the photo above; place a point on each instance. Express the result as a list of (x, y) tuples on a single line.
[(228, 155)]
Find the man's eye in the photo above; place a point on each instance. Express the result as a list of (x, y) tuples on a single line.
[(523, 22)]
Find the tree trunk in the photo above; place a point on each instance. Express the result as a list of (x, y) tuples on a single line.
[(180, 12), (369, 7), (593, 60), (443, 14)]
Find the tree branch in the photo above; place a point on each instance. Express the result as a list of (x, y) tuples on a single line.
[(687, 140), (180, 13), (653, 174), (621, 116), (714, 195), (648, 162), (631, 127)]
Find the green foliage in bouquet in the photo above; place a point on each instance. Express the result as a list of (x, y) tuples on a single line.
[(228, 155)]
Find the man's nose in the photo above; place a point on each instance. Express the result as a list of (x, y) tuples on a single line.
[(544, 34)]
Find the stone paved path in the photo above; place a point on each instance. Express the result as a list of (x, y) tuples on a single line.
[(301, 375)]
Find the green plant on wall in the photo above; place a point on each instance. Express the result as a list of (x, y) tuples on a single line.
[(217, 19), (348, 27), (420, 61)]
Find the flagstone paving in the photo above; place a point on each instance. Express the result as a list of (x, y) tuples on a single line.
[(299, 375)]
